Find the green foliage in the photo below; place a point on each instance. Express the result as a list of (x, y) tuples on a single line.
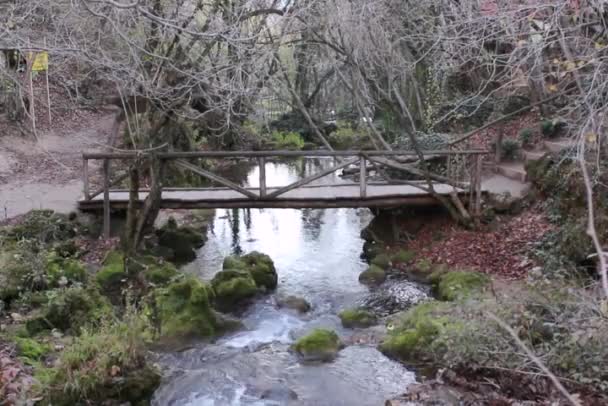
[(30, 348), (430, 141), (319, 345), (70, 310), (345, 137), (357, 318), (525, 137), (63, 271), (548, 128), (287, 140), (45, 226), (374, 275), (510, 149), (103, 364)]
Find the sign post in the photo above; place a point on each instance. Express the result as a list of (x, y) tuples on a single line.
[(41, 63)]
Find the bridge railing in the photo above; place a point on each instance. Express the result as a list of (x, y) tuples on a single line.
[(381, 162)]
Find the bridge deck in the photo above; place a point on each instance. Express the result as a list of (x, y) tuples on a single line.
[(321, 196)]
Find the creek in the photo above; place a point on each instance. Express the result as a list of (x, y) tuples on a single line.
[(317, 254)]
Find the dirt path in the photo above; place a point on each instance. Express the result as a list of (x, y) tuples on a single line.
[(46, 173)]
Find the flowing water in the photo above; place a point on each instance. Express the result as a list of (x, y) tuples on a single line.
[(317, 256)]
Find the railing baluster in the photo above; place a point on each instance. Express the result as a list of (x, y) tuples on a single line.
[(106, 198), (85, 179), (262, 166), (363, 176)]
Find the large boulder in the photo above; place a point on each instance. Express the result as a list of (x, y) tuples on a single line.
[(320, 345), (180, 242)]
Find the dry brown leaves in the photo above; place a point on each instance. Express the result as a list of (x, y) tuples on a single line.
[(501, 252), (14, 378)]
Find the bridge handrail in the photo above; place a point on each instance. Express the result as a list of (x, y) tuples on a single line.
[(268, 154)]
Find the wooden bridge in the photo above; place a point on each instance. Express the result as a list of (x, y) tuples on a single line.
[(461, 177)]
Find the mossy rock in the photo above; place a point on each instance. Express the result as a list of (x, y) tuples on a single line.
[(61, 271), (70, 310), (319, 345), (233, 288), (184, 309), (381, 260), (357, 318), (30, 348), (413, 335), (294, 302), (12, 273), (258, 265), (262, 269), (373, 276), (182, 241), (456, 285), (402, 256)]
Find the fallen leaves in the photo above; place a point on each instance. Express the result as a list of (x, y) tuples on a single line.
[(502, 252)]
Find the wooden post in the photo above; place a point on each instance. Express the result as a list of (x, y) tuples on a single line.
[(262, 166), (478, 165), (85, 178), (48, 90), (363, 177), (106, 198)]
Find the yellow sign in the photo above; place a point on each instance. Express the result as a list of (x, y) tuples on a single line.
[(41, 62)]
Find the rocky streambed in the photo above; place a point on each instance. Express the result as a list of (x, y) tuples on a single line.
[(317, 255)]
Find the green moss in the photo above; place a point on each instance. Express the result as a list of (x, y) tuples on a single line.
[(414, 332), (319, 345), (233, 262), (232, 288), (459, 284), (184, 309), (182, 241), (30, 348), (373, 276), (45, 226), (403, 256), (258, 265), (70, 310), (357, 318), (381, 260), (262, 269)]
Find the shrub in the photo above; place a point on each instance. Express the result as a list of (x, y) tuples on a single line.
[(510, 149), (287, 140), (525, 137), (344, 137), (547, 128)]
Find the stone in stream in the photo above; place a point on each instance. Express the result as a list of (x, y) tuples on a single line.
[(259, 265), (180, 243), (319, 345), (293, 302), (357, 318), (394, 296), (373, 276), (279, 394)]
